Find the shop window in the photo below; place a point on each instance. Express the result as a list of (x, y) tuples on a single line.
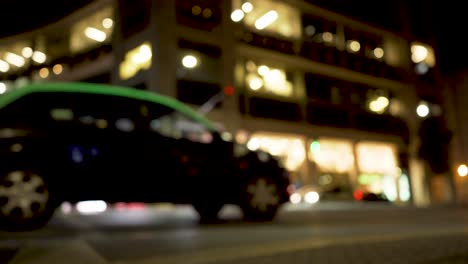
[(92, 31), (378, 168), (268, 16), (136, 60), (289, 148), (135, 16), (332, 155), (201, 14), (261, 78)]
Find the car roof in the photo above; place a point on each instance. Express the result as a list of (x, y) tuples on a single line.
[(104, 89)]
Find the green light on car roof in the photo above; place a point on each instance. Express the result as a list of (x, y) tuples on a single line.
[(104, 89)]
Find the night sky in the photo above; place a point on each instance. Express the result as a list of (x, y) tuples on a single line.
[(447, 22)]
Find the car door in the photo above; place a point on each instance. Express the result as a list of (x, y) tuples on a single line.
[(106, 147)]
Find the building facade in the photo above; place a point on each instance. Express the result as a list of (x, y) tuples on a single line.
[(339, 101)]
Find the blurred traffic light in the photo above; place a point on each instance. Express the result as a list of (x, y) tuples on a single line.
[(435, 140)]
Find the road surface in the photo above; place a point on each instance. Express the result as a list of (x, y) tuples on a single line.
[(329, 233)]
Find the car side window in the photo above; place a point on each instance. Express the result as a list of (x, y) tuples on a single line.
[(171, 123), (119, 114)]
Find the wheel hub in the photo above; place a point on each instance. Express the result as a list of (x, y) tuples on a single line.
[(22, 195), (263, 194)]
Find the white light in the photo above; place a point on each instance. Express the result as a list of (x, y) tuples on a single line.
[(265, 20), (14, 59), (4, 66), (378, 53), (422, 110), (404, 188), (295, 198), (462, 170), (3, 88), (419, 53), (421, 68), (39, 57), (237, 15), (263, 70), (255, 82), (189, 61), (247, 7), (143, 55), (95, 34), (253, 144), (66, 208), (312, 197), (107, 22), (91, 207), (309, 30), (27, 52)]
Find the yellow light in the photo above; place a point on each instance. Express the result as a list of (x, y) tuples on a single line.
[(196, 10), (139, 58), (39, 57), (247, 7), (107, 22), (189, 61), (327, 36), (251, 67), (237, 15), (14, 59), (419, 53), (378, 53), (207, 13), (4, 66), (95, 34), (27, 52), (57, 69), (44, 73), (462, 170), (354, 45), (266, 20), (263, 70), (255, 82), (143, 55)]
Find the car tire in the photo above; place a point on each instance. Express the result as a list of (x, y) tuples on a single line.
[(26, 201), (260, 199)]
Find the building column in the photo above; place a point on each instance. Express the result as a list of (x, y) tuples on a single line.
[(163, 36), (230, 107)]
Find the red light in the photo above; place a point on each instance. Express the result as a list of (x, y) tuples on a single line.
[(229, 90), (358, 195)]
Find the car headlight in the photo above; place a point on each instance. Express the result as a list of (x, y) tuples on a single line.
[(311, 197), (295, 198)]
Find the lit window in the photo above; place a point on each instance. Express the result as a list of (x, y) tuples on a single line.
[(135, 60), (270, 16), (289, 148), (421, 53), (268, 79), (332, 155), (374, 157), (92, 31)]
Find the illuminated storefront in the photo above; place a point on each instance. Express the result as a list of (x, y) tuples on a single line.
[(338, 166)]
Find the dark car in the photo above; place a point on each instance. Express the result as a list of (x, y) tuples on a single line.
[(80, 141)]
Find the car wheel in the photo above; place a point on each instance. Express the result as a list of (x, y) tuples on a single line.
[(260, 198), (25, 201)]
